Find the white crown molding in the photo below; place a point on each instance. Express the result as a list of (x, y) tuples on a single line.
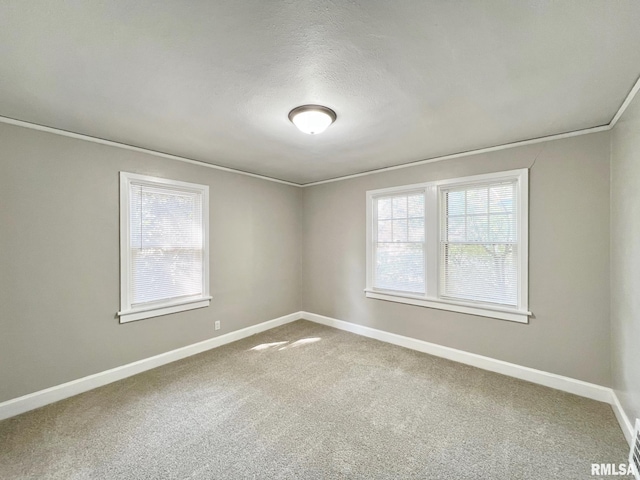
[(44, 397), (102, 141), (549, 138), (468, 153), (625, 104), (575, 133)]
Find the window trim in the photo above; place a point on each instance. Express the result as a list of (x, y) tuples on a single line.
[(129, 312), (433, 225)]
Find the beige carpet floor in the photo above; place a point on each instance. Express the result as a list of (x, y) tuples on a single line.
[(311, 402)]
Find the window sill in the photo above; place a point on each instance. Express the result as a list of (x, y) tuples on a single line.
[(460, 307), (163, 309)]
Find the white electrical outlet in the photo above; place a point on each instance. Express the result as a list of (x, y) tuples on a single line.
[(217, 325)]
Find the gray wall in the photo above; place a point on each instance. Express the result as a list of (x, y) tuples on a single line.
[(277, 249), (568, 263), (59, 259), (625, 259)]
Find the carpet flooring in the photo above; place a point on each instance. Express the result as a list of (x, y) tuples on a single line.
[(312, 402)]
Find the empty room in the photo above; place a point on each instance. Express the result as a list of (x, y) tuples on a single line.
[(319, 239)]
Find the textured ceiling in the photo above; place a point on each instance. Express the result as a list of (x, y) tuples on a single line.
[(215, 80)]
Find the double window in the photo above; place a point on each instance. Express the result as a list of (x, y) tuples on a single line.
[(164, 246), (458, 244)]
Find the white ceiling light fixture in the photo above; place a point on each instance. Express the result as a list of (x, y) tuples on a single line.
[(312, 119)]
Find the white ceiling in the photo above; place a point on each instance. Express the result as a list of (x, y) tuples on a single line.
[(409, 80)]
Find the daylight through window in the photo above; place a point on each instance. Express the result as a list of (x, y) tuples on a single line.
[(164, 246), (458, 244)]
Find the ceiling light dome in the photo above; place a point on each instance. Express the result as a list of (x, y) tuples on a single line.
[(312, 119)]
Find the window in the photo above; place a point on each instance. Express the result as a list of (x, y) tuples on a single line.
[(458, 244), (400, 242), (164, 246)]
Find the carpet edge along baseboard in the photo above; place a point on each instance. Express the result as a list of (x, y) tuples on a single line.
[(56, 393)]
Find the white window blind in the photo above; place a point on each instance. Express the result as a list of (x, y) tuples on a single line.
[(399, 243), (458, 244), (164, 246), (479, 243)]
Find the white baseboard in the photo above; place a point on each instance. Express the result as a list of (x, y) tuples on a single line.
[(621, 416), (566, 384), (558, 382), (44, 397)]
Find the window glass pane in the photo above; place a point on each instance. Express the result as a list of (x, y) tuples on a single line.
[(478, 241), (400, 230), (400, 266), (456, 204), (478, 228), (479, 251), (384, 208), (166, 243), (135, 216), (456, 229), (385, 231), (416, 229), (501, 198), (400, 207), (163, 273), (170, 219), (485, 273), (477, 200), (503, 228), (416, 205)]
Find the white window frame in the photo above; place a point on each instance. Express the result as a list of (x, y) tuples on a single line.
[(433, 225), (128, 311)]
